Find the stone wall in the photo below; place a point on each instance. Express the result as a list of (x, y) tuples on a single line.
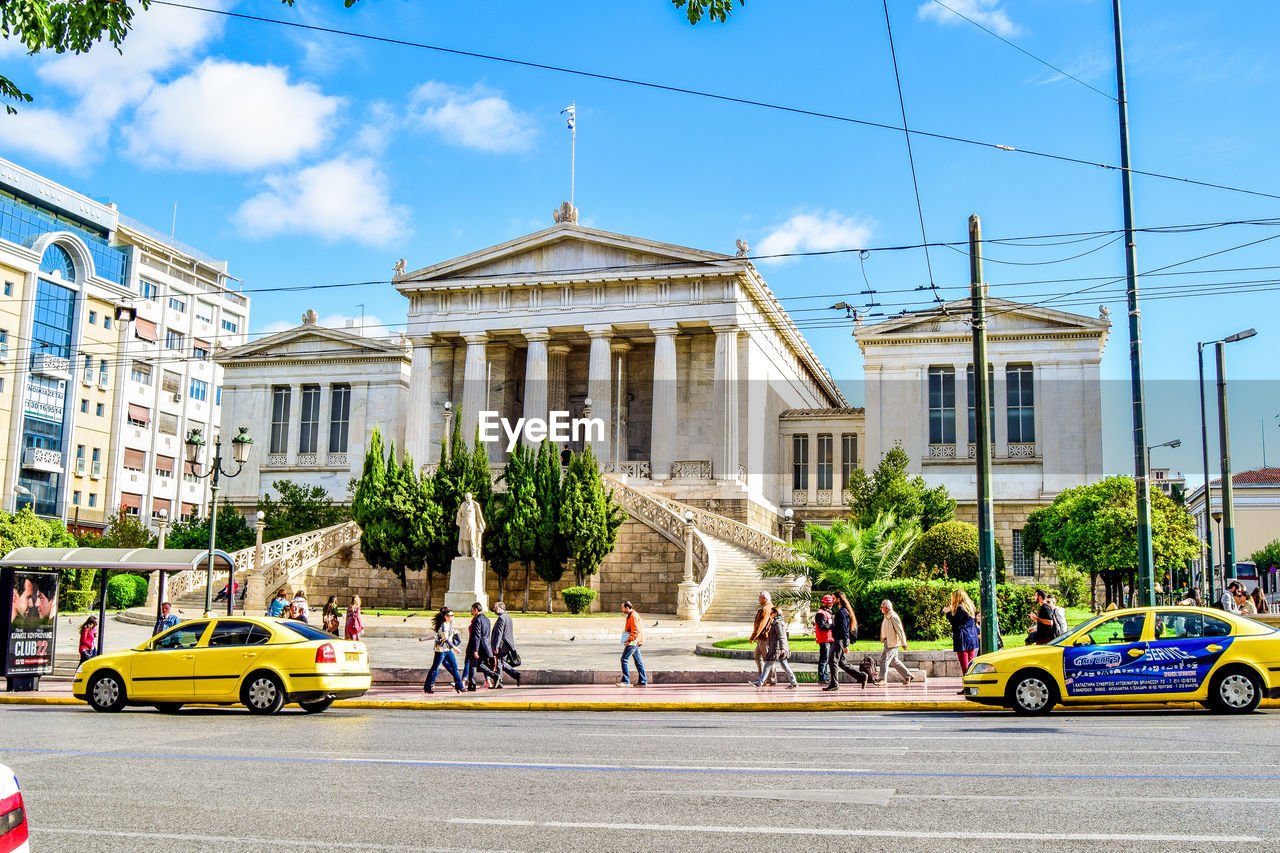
[(1008, 518)]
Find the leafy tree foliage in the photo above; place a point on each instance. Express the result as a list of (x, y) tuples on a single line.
[(122, 531), (233, 532), (519, 513), (1095, 528), (551, 550), (589, 517), (25, 529), (844, 557), (887, 489), (949, 550), (1268, 556), (714, 10), (299, 510)]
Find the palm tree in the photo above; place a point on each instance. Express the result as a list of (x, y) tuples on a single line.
[(844, 557)]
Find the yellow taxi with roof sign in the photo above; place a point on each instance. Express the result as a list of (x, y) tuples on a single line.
[(1153, 654), (261, 663)]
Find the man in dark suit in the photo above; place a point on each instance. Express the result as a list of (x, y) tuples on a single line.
[(503, 640), (479, 649)]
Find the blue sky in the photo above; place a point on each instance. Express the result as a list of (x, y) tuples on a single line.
[(307, 158)]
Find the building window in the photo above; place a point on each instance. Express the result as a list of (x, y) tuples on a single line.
[(800, 462), (99, 410), (95, 470), (138, 416), (942, 405), (204, 312), (848, 458), (140, 373), (177, 304), (189, 473), (80, 459), (199, 390), (4, 344), (88, 370), (167, 424), (104, 376), (174, 340), (84, 406), (75, 498), (57, 260), (971, 388), (200, 350), (93, 318), (130, 504), (171, 382), (826, 462), (164, 466), (1023, 563), (93, 499), (135, 460), (1020, 401), (51, 325), (279, 419), (339, 418), (106, 321), (217, 395), (310, 438), (230, 324), (8, 288), (147, 289)]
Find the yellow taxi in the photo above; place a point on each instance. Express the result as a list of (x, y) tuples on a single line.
[(259, 663), (1153, 654)]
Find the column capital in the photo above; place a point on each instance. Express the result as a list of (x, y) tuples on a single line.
[(476, 338), (595, 332), (558, 348), (620, 346), (422, 340), (669, 328), (543, 334), (727, 329)]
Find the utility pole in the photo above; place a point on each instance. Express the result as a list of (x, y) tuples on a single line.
[(982, 443), (1207, 571), (1224, 445), (1146, 555)]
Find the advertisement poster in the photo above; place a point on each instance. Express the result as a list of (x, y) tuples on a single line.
[(1164, 666), (31, 624)]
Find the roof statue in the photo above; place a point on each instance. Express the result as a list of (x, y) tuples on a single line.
[(743, 248), (566, 213), (310, 318)]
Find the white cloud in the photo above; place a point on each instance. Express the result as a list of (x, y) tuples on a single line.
[(373, 325), (813, 232), (340, 199), (232, 115), (53, 135), (985, 12), (472, 118)]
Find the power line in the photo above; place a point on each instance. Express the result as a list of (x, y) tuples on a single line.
[(1025, 52), (682, 90)]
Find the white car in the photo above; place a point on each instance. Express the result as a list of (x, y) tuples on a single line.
[(13, 817)]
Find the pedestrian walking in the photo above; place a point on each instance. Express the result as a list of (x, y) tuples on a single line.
[(88, 638), (1059, 616), (166, 621), (479, 651), (447, 639), (354, 627), (776, 652), (503, 642), (1244, 603), (329, 616), (844, 630), (1259, 601), (760, 630), (1042, 630), (279, 606), (822, 622), (632, 640), (964, 628), (893, 637), (1227, 601), (299, 610)]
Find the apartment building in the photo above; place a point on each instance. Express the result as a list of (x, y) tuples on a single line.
[(107, 336)]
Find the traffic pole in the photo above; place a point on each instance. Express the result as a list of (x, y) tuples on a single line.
[(1206, 569), (982, 444), (1224, 444)]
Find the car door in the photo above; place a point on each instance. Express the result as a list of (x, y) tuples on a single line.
[(164, 671), (231, 648), (1106, 662), (1185, 646)]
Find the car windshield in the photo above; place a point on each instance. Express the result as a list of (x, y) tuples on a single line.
[(306, 631)]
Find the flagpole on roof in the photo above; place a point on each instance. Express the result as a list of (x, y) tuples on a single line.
[(573, 144)]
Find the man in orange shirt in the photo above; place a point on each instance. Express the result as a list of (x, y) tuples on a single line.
[(632, 640)]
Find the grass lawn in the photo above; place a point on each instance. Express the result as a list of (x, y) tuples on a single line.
[(427, 614)]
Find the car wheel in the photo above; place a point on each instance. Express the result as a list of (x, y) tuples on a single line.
[(1235, 691), (106, 692), (168, 707), (1032, 693), (317, 706), (262, 693)]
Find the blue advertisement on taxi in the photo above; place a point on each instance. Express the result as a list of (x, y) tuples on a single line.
[(1163, 666)]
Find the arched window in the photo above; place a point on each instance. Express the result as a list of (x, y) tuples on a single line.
[(57, 260)]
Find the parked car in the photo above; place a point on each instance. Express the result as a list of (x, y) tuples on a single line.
[(13, 816), (258, 662)]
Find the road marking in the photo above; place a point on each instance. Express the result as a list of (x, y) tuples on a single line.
[(863, 833), (261, 843), (739, 736), (1078, 798), (844, 796)]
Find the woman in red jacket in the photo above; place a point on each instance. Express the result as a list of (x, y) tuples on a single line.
[(88, 638)]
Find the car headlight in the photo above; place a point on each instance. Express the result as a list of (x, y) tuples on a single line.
[(980, 668)]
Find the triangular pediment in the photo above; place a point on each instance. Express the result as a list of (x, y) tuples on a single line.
[(312, 341), (1004, 317), (567, 251)]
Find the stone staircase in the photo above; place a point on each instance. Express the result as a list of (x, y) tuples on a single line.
[(738, 583)]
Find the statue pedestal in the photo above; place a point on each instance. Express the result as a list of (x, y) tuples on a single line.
[(466, 585)]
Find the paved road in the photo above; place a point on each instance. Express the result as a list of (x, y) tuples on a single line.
[(398, 780)]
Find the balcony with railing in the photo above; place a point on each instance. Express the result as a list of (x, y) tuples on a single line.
[(53, 366), (42, 459)]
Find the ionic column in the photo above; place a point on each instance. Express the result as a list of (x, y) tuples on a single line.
[(662, 431), (726, 401), (618, 428), (558, 377), (599, 387), (473, 384), (535, 374), (417, 429)]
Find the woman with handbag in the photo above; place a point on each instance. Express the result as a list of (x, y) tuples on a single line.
[(354, 627), (778, 652), (447, 639)]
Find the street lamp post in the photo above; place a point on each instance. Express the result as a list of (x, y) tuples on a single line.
[(1177, 442), (241, 444)]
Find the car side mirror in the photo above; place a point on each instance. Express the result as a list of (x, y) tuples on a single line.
[(1086, 640)]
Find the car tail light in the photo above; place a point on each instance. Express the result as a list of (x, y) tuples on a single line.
[(13, 823), (325, 654)]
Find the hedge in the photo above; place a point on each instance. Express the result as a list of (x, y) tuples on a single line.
[(920, 603), (578, 598), (954, 543), (124, 591)]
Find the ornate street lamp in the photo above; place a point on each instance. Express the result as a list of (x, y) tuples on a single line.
[(241, 444)]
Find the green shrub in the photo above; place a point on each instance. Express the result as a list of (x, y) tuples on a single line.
[(1073, 587), (125, 591), (578, 598), (920, 603), (75, 600), (954, 543)]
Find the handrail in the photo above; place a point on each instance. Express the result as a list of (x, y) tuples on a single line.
[(766, 545)]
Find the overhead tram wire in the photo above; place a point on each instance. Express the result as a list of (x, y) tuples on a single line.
[(683, 90), (1046, 63)]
